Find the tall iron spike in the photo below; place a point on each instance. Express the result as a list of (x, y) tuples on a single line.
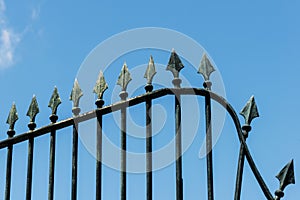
[(124, 77), (150, 71), (249, 112), (205, 68), (54, 101), (76, 94), (99, 89), (175, 64), (12, 117), (33, 109), (11, 120)]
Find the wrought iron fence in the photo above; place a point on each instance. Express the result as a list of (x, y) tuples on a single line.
[(249, 112)]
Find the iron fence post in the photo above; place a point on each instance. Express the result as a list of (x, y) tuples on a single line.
[(175, 66), (75, 96), (11, 120), (123, 80), (206, 68), (8, 168), (32, 112), (99, 89), (209, 155), (53, 104), (149, 74)]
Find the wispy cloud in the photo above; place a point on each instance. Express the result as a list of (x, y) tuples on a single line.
[(35, 13), (8, 39)]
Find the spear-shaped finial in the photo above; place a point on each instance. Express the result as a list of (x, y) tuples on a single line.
[(150, 71), (54, 101), (286, 176), (100, 86), (76, 94), (205, 68), (124, 77), (33, 109), (175, 64), (249, 112), (12, 117)]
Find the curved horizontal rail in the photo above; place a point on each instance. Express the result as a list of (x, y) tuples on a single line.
[(140, 99)]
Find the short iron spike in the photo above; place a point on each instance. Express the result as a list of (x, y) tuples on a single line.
[(100, 85), (33, 109), (286, 175), (150, 71), (206, 68), (76, 94), (55, 101), (250, 111), (12, 117), (124, 77), (175, 64)]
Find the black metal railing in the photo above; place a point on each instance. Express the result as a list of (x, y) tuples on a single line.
[(249, 112)]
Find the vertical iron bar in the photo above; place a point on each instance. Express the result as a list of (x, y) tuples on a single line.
[(29, 168), (123, 96), (99, 104), (239, 177), (209, 156), (31, 126), (8, 172), (75, 111), (74, 163), (149, 88), (240, 170), (179, 181), (53, 119), (178, 148), (10, 133)]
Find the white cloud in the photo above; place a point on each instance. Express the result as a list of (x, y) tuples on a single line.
[(2, 6), (35, 13), (8, 40)]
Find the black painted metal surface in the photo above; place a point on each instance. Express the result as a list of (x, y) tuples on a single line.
[(249, 112)]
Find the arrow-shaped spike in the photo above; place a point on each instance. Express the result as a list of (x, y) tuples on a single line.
[(150, 71), (76, 94), (12, 117), (33, 109), (54, 101), (286, 175), (250, 111), (100, 86), (124, 77), (205, 68), (175, 64)]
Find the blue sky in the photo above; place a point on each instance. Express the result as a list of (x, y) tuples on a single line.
[(253, 43)]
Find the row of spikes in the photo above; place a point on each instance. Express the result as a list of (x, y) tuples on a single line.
[(249, 112), (174, 65)]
